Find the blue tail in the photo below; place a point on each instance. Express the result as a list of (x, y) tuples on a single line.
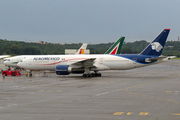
[(156, 46)]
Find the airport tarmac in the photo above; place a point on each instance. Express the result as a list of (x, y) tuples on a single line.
[(147, 93)]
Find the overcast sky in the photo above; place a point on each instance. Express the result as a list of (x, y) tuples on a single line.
[(88, 21)]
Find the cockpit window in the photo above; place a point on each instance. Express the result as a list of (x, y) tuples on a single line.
[(7, 60), (21, 61)]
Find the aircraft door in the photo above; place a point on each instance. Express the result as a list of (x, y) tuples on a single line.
[(100, 60), (29, 62), (101, 64), (135, 64)]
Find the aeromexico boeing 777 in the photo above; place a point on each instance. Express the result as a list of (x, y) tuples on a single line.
[(89, 65)]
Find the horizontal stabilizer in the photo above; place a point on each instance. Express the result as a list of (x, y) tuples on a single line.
[(159, 58), (155, 59)]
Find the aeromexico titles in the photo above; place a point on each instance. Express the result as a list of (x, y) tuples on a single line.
[(90, 65)]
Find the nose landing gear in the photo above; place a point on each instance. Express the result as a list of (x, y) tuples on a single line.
[(30, 73)]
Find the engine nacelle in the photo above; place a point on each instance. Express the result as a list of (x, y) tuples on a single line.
[(77, 70), (63, 70), (66, 70)]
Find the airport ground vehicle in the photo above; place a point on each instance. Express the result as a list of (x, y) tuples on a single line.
[(11, 72)]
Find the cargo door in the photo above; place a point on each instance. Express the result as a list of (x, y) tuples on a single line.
[(100, 60), (134, 63)]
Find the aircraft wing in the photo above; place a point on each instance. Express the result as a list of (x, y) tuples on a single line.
[(85, 63)]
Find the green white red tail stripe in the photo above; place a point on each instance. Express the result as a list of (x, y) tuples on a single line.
[(116, 47)]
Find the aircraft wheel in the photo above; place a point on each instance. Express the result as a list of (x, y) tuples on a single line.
[(92, 75), (30, 74), (99, 74), (84, 75), (87, 75)]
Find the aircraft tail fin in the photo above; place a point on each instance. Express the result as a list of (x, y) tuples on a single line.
[(82, 49), (156, 46), (116, 47)]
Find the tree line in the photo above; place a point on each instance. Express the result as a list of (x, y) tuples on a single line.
[(24, 48)]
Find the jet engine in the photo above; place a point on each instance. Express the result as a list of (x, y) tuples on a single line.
[(66, 70)]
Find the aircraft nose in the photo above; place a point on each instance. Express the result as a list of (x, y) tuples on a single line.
[(5, 62), (20, 64)]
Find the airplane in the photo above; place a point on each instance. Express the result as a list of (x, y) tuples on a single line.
[(66, 64), (12, 62)]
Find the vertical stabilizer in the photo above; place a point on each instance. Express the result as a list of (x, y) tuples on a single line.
[(82, 49), (116, 47), (156, 46)]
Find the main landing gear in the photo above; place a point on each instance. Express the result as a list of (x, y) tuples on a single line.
[(88, 74), (92, 75)]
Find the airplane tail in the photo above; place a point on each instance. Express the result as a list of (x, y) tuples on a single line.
[(156, 46), (82, 49), (116, 47)]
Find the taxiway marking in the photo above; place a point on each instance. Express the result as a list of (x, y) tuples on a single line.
[(175, 114), (129, 113), (102, 93), (143, 113)]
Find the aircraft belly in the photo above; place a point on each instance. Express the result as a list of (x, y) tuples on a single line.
[(121, 64)]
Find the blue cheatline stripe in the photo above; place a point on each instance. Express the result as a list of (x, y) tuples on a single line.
[(137, 58)]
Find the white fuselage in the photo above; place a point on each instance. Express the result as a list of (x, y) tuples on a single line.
[(101, 62)]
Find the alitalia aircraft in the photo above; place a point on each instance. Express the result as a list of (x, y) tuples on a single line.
[(89, 65)]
